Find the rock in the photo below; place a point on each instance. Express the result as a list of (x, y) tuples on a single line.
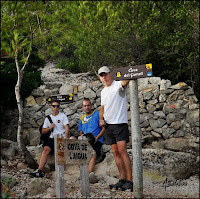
[(193, 106), (156, 93), (8, 149), (176, 144), (30, 101), (162, 97), (36, 186), (144, 117), (148, 88), (41, 101), (172, 106), (147, 95), (159, 114), (176, 125), (89, 93), (151, 108), (21, 165), (156, 135), (34, 135), (144, 124), (107, 169), (165, 84), (155, 80), (178, 133), (158, 130), (173, 96), (142, 82), (157, 145), (39, 91), (173, 117), (178, 165), (190, 99), (180, 85), (66, 89), (3, 163), (48, 111), (72, 173), (69, 111), (153, 101), (157, 123), (189, 92), (141, 104), (166, 91), (82, 87), (166, 134), (193, 116)]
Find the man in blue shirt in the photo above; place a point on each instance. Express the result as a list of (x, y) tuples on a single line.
[(89, 123)]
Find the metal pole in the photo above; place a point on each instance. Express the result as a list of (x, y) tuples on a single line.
[(136, 140), (85, 186), (59, 169)]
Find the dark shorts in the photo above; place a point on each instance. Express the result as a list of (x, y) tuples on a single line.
[(50, 143), (97, 147), (116, 132)]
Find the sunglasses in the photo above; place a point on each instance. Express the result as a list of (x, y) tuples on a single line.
[(56, 106)]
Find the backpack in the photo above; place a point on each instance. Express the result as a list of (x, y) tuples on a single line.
[(45, 136), (90, 137)]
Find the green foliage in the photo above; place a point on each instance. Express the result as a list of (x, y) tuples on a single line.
[(31, 80), (5, 187), (84, 35)]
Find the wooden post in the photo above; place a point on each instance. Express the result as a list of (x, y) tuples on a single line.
[(59, 169), (136, 140), (85, 187)]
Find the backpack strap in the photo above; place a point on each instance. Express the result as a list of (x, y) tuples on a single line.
[(50, 120)]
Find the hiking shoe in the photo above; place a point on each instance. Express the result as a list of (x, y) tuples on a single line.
[(37, 174), (91, 177), (119, 184), (128, 185)]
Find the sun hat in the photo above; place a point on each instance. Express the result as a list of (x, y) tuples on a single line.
[(103, 69)]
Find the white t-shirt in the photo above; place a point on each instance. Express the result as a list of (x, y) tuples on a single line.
[(113, 98), (60, 121)]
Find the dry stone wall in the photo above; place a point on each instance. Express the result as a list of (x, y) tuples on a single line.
[(169, 114)]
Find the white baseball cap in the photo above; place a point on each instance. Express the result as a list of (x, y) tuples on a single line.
[(103, 69)]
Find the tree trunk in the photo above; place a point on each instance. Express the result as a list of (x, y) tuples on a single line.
[(22, 148)]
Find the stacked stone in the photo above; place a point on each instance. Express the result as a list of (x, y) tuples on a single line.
[(168, 114), (37, 107), (169, 118)]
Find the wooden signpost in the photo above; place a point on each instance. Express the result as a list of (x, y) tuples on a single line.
[(72, 151), (61, 98), (133, 73)]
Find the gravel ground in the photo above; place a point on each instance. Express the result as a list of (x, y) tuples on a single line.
[(188, 188)]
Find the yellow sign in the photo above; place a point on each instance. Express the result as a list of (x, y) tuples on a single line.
[(118, 74), (70, 96), (149, 66)]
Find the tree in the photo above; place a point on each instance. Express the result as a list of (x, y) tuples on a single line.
[(20, 23)]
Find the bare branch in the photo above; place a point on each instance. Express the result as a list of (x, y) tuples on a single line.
[(26, 61), (92, 66)]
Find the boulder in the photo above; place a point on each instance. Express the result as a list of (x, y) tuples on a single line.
[(36, 186), (178, 165), (165, 84), (180, 85), (8, 149), (193, 116), (30, 101), (89, 93)]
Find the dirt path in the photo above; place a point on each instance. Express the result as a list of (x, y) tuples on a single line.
[(188, 188)]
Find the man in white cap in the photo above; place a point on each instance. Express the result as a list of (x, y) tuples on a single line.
[(113, 115)]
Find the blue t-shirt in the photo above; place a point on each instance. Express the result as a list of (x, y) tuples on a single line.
[(90, 124)]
